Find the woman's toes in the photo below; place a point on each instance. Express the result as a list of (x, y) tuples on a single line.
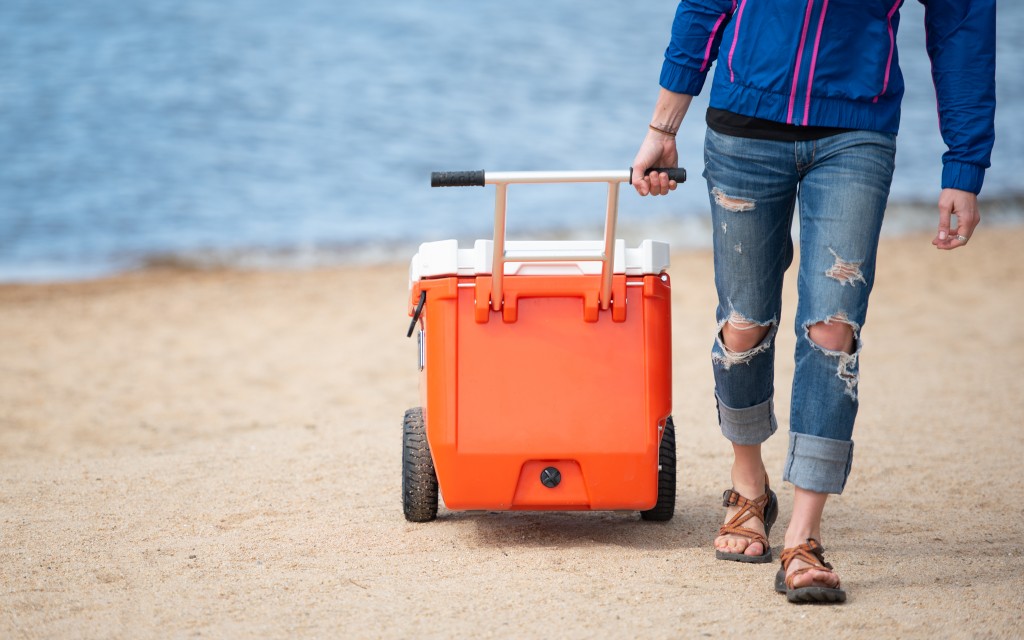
[(754, 549), (816, 579), (728, 544)]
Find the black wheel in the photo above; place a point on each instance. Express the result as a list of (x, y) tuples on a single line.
[(419, 481), (666, 505)]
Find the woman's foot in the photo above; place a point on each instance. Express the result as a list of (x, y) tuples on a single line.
[(813, 577), (734, 543), (805, 576), (751, 509)]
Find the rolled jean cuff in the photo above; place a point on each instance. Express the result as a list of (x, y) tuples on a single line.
[(818, 464), (752, 425)]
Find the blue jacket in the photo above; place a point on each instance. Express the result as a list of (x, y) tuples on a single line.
[(834, 63)]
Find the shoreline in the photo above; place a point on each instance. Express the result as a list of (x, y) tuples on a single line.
[(684, 233)]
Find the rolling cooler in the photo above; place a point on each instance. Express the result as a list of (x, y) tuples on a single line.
[(546, 376)]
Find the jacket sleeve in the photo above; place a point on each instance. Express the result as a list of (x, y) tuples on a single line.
[(696, 35), (961, 37)]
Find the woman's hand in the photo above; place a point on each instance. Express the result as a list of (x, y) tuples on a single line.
[(657, 150), (963, 205), (659, 147)]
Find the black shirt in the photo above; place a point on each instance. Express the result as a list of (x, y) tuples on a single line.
[(733, 124)]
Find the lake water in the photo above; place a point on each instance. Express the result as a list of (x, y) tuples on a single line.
[(261, 133)]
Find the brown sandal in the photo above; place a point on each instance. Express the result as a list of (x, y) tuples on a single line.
[(813, 554), (765, 509)]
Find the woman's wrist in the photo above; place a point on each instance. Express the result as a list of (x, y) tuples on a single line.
[(669, 111), (664, 129)]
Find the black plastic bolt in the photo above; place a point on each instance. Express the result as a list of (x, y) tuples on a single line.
[(550, 477)]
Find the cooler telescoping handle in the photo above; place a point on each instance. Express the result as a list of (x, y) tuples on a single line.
[(481, 178), (457, 179), (501, 180), (674, 173)]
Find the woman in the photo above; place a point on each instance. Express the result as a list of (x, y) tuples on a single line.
[(804, 109)]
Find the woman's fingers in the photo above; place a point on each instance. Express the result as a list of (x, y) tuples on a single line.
[(963, 205), (654, 153), (664, 184)]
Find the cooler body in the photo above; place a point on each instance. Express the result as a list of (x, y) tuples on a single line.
[(548, 381)]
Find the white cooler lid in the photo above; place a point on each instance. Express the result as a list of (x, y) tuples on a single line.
[(445, 258)]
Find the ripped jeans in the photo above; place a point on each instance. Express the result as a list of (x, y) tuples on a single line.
[(841, 183)]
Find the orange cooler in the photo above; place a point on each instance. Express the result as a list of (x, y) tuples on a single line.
[(545, 371)]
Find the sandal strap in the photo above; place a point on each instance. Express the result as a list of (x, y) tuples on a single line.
[(810, 552), (747, 509), (754, 536)]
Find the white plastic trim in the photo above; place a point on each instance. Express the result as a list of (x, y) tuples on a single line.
[(445, 258)]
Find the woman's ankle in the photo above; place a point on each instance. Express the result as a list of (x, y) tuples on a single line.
[(796, 537), (808, 508), (748, 473)]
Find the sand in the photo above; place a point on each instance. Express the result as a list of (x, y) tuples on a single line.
[(217, 454)]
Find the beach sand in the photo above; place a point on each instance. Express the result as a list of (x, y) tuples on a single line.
[(217, 454)]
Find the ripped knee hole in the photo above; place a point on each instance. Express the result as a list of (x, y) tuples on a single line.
[(846, 355), (759, 342), (835, 334)]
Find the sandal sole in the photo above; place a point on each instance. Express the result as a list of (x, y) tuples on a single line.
[(808, 595), (816, 595), (742, 557)]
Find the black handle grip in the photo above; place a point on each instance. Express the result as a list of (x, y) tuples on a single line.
[(674, 173), (457, 179)]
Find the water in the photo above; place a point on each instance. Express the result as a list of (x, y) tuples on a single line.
[(253, 132)]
